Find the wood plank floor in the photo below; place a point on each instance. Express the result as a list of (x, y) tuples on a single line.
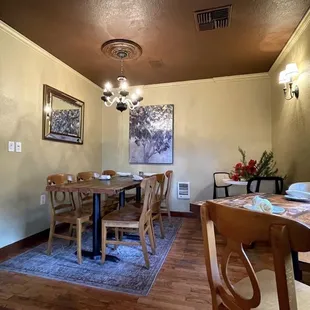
[(181, 284)]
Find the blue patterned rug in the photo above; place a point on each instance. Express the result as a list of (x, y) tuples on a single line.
[(129, 275)]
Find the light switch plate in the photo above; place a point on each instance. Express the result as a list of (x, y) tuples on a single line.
[(11, 146), (18, 147)]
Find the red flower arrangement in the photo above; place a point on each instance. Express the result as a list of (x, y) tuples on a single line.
[(245, 170)]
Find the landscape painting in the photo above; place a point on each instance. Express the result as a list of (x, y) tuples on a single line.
[(151, 134)]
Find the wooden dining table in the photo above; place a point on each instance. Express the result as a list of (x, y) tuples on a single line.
[(295, 210), (115, 186)]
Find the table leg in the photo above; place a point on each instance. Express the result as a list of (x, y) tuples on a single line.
[(138, 193), (96, 252), (122, 199), (297, 271)]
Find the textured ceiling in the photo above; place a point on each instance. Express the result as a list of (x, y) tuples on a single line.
[(173, 50)]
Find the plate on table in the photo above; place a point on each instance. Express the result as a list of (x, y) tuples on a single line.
[(294, 198), (105, 177), (149, 174), (275, 209), (124, 174)]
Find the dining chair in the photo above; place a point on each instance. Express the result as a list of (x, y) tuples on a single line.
[(129, 218), (278, 181), (218, 183), (165, 205), (111, 173), (156, 206), (265, 289), (63, 209)]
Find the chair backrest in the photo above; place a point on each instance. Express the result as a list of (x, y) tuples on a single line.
[(85, 176), (60, 200), (159, 192), (218, 178), (239, 227), (148, 185), (278, 181), (111, 173), (168, 175)]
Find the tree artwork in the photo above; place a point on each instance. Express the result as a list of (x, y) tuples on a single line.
[(151, 134)]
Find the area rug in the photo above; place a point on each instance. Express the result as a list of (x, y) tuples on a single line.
[(129, 275)]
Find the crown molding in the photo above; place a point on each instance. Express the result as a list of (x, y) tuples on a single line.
[(233, 78), (12, 32), (292, 41)]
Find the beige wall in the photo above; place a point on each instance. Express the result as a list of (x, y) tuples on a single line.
[(212, 118), (24, 68), (291, 119)]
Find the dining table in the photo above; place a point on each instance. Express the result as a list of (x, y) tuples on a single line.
[(295, 210), (115, 186)]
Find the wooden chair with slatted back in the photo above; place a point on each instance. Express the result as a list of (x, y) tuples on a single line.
[(156, 209), (111, 173), (63, 210), (132, 218), (265, 289), (165, 205)]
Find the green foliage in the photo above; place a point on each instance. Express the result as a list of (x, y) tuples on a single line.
[(266, 166)]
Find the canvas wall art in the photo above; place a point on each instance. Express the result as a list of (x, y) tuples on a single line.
[(151, 134)]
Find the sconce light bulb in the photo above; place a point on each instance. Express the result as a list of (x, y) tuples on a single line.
[(48, 109)]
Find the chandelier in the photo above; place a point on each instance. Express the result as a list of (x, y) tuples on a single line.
[(121, 50)]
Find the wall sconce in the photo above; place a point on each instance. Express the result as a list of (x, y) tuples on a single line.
[(286, 77)]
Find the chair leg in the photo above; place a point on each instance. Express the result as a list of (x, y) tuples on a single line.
[(151, 237), (50, 239), (116, 237), (161, 225), (153, 232), (144, 248), (79, 240), (103, 242), (168, 211), (70, 233)]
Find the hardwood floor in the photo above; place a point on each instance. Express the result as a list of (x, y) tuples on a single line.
[(181, 284)]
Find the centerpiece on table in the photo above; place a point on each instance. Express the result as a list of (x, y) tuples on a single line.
[(245, 170)]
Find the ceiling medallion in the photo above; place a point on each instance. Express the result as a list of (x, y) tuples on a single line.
[(121, 47), (121, 50)]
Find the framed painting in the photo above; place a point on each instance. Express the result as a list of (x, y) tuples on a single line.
[(151, 134), (63, 116)]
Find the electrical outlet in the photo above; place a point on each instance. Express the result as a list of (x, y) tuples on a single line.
[(42, 199), (11, 146), (18, 146)]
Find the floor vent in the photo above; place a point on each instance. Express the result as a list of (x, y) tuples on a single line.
[(211, 19), (183, 190)]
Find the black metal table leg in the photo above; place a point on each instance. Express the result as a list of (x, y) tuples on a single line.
[(96, 252), (122, 199), (297, 271), (138, 193)]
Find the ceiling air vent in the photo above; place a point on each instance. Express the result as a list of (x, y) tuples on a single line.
[(213, 18)]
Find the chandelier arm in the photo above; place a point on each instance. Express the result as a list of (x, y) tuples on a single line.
[(110, 102)]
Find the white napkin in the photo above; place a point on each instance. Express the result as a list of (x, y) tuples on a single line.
[(105, 177), (137, 178), (260, 204), (124, 174), (96, 175)]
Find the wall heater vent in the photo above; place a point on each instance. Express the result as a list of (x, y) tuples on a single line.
[(183, 190)]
